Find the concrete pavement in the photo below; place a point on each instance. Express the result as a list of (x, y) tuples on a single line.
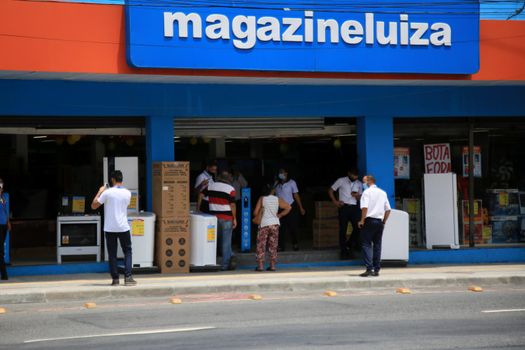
[(93, 287)]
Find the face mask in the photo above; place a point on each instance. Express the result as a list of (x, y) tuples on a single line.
[(365, 186), (282, 177), (1, 186)]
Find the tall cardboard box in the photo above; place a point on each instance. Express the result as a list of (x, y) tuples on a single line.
[(173, 253), (171, 189)]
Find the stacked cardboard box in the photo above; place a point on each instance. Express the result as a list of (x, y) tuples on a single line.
[(171, 203), (325, 226)]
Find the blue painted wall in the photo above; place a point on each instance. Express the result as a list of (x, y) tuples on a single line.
[(375, 149), (77, 98), (159, 147)]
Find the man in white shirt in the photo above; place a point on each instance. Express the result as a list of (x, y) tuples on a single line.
[(116, 200), (349, 190), (202, 182), (375, 210)]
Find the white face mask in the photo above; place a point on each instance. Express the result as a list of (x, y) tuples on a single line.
[(1, 186), (365, 186), (282, 177)]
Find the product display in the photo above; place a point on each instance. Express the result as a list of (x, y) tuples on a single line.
[(503, 202), (505, 229), (413, 207)]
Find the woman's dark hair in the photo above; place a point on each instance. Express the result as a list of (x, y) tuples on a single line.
[(266, 190)]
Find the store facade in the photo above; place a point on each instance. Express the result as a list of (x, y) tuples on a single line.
[(97, 62)]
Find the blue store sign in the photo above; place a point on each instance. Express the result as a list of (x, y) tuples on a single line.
[(385, 36)]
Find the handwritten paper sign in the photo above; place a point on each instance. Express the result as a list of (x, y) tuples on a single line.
[(437, 158)]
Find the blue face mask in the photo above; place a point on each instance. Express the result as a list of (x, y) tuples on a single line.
[(282, 177), (365, 186)]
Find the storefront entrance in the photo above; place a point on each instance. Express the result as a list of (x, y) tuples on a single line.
[(316, 151), (45, 160)]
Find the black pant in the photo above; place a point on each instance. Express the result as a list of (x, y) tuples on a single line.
[(3, 235), (349, 213), (125, 244), (205, 207), (372, 236), (289, 226)]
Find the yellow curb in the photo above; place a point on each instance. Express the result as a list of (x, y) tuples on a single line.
[(3, 310), (403, 291), (330, 293), (255, 297), (90, 305), (475, 289), (175, 301)]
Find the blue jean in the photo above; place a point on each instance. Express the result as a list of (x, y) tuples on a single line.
[(371, 237), (125, 243), (225, 228)]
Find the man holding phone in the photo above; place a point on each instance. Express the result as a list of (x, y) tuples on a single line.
[(116, 200)]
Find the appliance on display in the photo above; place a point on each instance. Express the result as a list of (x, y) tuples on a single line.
[(441, 211), (78, 235), (203, 231), (396, 238), (246, 222), (130, 172)]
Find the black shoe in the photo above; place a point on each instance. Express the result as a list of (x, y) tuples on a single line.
[(375, 274), (115, 282), (4, 278), (233, 263), (271, 269), (129, 281), (258, 269), (367, 273)]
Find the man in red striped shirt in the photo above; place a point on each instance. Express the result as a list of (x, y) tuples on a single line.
[(221, 196)]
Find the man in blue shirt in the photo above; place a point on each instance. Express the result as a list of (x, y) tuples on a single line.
[(5, 226)]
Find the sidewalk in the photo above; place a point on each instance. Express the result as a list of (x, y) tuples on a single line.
[(94, 287)]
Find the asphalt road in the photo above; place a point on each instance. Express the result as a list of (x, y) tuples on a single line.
[(378, 319)]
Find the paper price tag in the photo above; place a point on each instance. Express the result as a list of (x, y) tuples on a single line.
[(137, 228)]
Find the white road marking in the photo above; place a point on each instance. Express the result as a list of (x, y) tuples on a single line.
[(504, 310), (157, 331)]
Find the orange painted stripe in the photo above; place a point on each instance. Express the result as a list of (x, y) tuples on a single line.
[(90, 38)]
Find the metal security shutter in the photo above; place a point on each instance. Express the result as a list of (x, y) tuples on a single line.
[(257, 127), (73, 125)]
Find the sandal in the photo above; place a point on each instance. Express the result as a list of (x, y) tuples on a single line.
[(271, 269), (258, 269)]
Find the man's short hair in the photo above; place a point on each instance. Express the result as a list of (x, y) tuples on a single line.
[(224, 175), (371, 178), (117, 175), (211, 162)]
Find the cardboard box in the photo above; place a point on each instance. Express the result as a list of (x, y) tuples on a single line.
[(325, 233), (171, 189), (173, 253), (165, 171), (180, 225), (326, 210)]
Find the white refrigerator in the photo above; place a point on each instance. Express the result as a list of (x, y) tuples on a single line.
[(441, 211)]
